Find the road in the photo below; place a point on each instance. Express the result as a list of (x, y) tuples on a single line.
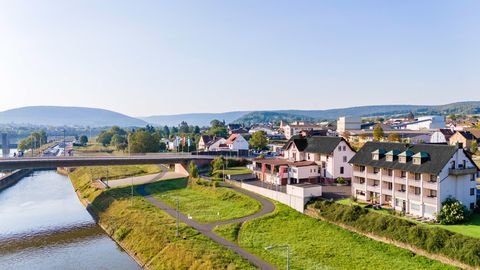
[(207, 229)]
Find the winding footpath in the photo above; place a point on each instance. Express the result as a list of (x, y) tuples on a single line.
[(207, 229)]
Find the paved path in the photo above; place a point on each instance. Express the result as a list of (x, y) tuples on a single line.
[(146, 179), (206, 229)]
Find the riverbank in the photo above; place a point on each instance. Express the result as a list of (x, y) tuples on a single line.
[(13, 178), (148, 233)]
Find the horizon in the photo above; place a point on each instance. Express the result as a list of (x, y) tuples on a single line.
[(221, 112), (249, 56)]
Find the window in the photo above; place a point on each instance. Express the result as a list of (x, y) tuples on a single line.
[(403, 174), (417, 191), (417, 161), (389, 186), (341, 170), (402, 159), (417, 176), (362, 180), (324, 164), (472, 206), (375, 156), (308, 156), (390, 158), (339, 148), (390, 172), (452, 164), (362, 168), (473, 177), (344, 148), (344, 158), (433, 178), (432, 194), (376, 170), (472, 191), (402, 188)]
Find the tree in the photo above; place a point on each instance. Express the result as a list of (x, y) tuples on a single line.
[(119, 142), (217, 123), (393, 137), (166, 132), (378, 133), (474, 147), (183, 127), (196, 130), (193, 170), (452, 212), (83, 140), (259, 140), (104, 138), (362, 136), (142, 141), (217, 165)]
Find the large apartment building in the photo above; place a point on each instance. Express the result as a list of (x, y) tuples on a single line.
[(415, 179)]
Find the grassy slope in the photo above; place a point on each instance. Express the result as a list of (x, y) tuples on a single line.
[(118, 172), (204, 203), (237, 170), (149, 233), (319, 245)]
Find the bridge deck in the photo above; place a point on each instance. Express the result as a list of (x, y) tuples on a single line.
[(53, 162)]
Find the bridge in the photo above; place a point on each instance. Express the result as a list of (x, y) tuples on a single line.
[(78, 161)]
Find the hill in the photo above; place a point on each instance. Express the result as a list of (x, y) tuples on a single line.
[(468, 107), (70, 116), (199, 119)]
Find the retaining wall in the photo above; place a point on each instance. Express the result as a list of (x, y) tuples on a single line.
[(11, 179)]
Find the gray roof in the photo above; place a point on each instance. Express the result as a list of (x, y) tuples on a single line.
[(315, 144), (439, 155)]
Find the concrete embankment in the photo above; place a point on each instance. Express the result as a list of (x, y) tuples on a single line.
[(13, 178)]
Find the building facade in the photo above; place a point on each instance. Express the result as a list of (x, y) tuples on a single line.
[(415, 179)]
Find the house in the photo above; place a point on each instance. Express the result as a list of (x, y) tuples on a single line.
[(331, 154), (348, 123), (283, 172), (465, 138), (296, 128), (441, 136), (203, 142), (269, 131), (236, 142), (415, 179), (215, 144)]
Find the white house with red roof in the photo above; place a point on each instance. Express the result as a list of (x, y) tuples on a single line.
[(236, 142)]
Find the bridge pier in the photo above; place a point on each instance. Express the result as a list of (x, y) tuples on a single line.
[(5, 145)]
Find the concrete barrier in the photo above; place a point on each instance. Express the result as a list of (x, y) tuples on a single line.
[(11, 179), (293, 201)]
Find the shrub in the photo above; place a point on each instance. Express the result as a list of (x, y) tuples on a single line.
[(340, 180), (121, 233), (432, 239), (452, 212)]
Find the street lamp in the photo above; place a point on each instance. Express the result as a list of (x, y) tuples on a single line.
[(288, 253)]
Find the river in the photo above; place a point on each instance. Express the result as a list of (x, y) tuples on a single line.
[(43, 225)]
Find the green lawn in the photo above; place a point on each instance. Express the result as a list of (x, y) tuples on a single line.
[(204, 204), (237, 170), (471, 228), (149, 233), (119, 172), (319, 245)]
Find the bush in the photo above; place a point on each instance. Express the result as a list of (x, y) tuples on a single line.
[(452, 212), (432, 239), (121, 233), (340, 180)]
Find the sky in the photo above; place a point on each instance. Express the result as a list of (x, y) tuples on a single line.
[(146, 58)]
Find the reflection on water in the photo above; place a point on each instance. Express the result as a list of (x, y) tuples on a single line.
[(44, 226)]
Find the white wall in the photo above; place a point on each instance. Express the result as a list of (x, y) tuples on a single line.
[(337, 161), (438, 137), (239, 144)]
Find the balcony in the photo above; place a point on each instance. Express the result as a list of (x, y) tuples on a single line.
[(358, 186), (399, 180), (415, 183), (400, 194), (462, 171), (359, 173), (373, 188), (373, 176), (387, 178), (430, 200), (387, 191), (414, 197), (430, 185)]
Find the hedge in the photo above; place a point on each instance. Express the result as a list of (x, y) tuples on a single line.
[(432, 239)]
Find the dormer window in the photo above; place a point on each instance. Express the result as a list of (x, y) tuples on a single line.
[(402, 159), (405, 156), (378, 154), (420, 158), (392, 155)]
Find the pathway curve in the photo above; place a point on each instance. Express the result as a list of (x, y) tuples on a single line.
[(207, 229), (164, 174)]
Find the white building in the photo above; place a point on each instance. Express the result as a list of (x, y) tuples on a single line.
[(441, 136), (348, 123), (413, 178), (424, 122), (236, 142), (296, 128)]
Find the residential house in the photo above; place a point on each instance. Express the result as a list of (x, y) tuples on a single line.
[(236, 142), (216, 144), (203, 142), (464, 138), (296, 128), (441, 136), (415, 179)]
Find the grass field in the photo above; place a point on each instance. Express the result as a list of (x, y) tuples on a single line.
[(119, 172), (316, 244), (237, 170), (149, 233), (204, 204)]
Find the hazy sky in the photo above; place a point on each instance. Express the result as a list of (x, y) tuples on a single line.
[(153, 57)]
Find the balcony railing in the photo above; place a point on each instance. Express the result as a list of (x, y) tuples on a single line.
[(430, 185), (359, 174), (399, 180), (462, 171), (414, 197), (373, 188), (415, 183), (401, 194), (430, 200), (387, 191), (373, 176), (358, 186)]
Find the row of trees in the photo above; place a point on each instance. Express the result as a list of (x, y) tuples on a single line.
[(34, 141)]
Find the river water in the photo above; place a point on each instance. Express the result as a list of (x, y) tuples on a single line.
[(43, 225)]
